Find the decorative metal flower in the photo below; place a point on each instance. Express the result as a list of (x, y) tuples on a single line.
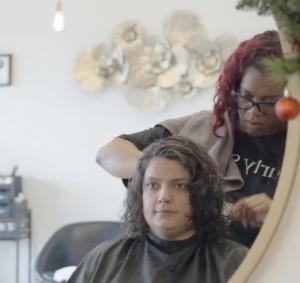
[(205, 67), (184, 27), (185, 88), (160, 67), (137, 76), (207, 61), (127, 34), (154, 62), (158, 57), (163, 61), (99, 67), (177, 70)]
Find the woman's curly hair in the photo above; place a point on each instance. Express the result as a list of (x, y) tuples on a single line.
[(249, 53), (206, 195)]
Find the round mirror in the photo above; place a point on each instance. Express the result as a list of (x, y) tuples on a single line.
[(291, 166), (53, 129)]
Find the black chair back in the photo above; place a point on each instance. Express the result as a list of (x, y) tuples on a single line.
[(69, 244)]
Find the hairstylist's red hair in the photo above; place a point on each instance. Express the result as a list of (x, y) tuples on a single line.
[(249, 53)]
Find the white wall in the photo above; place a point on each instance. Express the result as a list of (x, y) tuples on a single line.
[(52, 129)]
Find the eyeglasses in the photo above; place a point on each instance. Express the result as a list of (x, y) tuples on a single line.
[(245, 103)]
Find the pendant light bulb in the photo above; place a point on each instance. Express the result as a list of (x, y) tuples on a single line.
[(59, 20)]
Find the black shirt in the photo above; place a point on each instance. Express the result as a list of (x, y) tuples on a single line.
[(259, 161)]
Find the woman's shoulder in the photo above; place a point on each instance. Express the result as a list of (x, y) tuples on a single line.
[(230, 250), (204, 117), (228, 255), (195, 115)]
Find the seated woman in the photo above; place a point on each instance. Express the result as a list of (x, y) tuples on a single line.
[(173, 214)]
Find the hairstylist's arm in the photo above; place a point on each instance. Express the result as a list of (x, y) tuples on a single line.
[(251, 211), (119, 158)]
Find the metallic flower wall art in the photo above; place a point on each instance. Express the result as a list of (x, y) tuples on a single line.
[(153, 69)]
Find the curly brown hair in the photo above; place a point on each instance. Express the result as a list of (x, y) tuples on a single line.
[(206, 195)]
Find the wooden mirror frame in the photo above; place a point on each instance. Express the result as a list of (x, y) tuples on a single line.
[(287, 180)]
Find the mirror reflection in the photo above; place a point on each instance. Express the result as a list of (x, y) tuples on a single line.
[(242, 134), (59, 128)]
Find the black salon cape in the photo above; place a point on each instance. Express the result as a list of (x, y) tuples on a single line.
[(150, 259)]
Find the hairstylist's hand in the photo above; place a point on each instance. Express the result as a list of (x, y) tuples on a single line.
[(251, 211)]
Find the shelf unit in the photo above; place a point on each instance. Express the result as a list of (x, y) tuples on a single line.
[(18, 229)]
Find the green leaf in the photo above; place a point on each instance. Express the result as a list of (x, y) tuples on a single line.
[(281, 68)]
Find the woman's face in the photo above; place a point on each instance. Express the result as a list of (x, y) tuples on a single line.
[(166, 199), (259, 87)]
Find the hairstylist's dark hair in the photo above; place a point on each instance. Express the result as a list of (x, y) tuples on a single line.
[(206, 195), (249, 53)]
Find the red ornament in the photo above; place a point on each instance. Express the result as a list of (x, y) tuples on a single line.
[(287, 108)]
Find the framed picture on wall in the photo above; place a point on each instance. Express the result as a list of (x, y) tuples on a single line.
[(5, 69)]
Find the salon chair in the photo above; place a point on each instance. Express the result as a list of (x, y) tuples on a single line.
[(69, 244)]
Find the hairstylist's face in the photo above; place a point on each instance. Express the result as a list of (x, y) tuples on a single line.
[(259, 87), (166, 199)]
